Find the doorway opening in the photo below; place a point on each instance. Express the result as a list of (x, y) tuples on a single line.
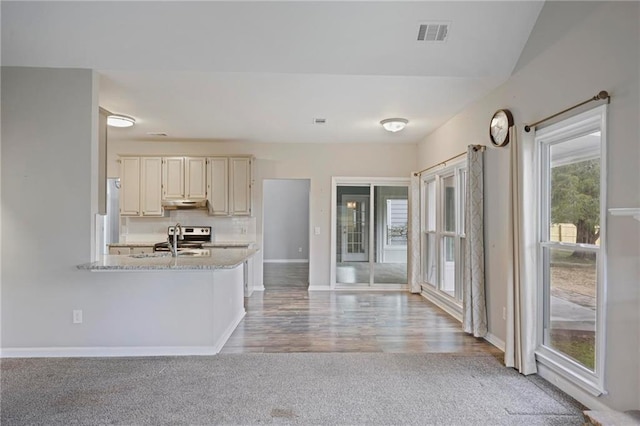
[(286, 233), (369, 233)]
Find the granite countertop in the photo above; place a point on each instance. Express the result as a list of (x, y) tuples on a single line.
[(217, 259), (211, 244)]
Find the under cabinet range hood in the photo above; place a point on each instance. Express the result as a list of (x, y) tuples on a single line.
[(184, 204)]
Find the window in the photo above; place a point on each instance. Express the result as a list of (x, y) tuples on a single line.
[(397, 222), (443, 230), (571, 249)]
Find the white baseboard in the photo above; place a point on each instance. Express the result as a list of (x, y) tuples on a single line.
[(582, 396), (443, 303), (319, 288), (495, 341), (285, 261), (261, 288), (227, 333), (104, 351), (121, 351)]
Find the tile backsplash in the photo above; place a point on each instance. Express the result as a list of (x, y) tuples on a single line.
[(154, 229)]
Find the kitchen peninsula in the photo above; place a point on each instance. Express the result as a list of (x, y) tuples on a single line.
[(208, 259), (184, 305)]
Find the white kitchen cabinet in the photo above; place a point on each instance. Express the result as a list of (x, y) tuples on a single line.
[(151, 186), (140, 186), (173, 178), (184, 178), (120, 250), (229, 186), (218, 185), (141, 250), (240, 186), (129, 186), (124, 250), (195, 182)]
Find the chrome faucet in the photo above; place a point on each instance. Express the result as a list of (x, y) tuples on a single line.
[(177, 235)]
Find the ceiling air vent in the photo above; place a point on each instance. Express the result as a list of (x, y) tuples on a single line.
[(319, 121), (434, 31), (157, 134)]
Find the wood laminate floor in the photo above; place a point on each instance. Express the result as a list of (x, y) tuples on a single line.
[(288, 318)]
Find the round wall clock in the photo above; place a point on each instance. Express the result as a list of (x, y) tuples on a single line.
[(501, 121)]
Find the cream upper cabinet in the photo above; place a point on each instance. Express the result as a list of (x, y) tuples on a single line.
[(195, 178), (240, 186), (141, 186), (229, 186), (184, 177), (130, 186), (151, 186), (173, 178), (218, 185)]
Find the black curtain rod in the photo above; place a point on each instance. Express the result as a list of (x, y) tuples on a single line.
[(602, 95)]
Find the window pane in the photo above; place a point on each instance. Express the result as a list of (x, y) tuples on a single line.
[(571, 282), (430, 251), (431, 206), (397, 221), (463, 193), (449, 194), (448, 266), (575, 190)]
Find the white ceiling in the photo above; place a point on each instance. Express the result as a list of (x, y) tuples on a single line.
[(262, 71)]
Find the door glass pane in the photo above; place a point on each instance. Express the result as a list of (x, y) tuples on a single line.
[(449, 194), (448, 278), (575, 190), (352, 235), (391, 228), (429, 268), (570, 313)]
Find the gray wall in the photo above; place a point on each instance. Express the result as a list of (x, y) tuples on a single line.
[(575, 50), (49, 199), (286, 219)]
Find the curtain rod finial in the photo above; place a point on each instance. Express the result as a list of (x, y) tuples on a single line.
[(527, 129)]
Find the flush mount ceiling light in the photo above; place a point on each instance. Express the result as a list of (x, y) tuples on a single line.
[(394, 124), (119, 120)]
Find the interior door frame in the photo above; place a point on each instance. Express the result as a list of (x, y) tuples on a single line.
[(360, 181)]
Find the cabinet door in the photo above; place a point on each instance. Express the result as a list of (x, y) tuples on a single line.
[(218, 186), (173, 178), (120, 250), (195, 178), (141, 250), (240, 186), (130, 186), (151, 186)]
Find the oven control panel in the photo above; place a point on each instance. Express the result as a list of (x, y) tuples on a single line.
[(191, 230)]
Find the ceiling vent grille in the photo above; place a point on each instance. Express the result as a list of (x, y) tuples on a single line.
[(319, 121), (434, 31)]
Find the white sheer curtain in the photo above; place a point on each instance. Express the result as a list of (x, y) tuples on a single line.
[(414, 235), (474, 313), (521, 339)]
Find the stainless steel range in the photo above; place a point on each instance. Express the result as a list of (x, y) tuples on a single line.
[(186, 237)]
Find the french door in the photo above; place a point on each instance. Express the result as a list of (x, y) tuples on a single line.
[(355, 228)]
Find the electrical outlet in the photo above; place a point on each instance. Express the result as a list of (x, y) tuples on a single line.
[(77, 316), (504, 313), (299, 249), (317, 230)]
